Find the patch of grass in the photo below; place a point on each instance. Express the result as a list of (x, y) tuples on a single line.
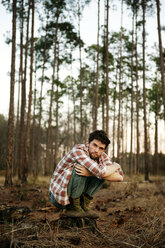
[(41, 180)]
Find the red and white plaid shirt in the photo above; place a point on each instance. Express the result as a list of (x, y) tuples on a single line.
[(78, 155)]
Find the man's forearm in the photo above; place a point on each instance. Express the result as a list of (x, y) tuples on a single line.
[(115, 177), (111, 169), (112, 173)]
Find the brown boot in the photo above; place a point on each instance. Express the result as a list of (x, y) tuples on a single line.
[(85, 202), (74, 209)]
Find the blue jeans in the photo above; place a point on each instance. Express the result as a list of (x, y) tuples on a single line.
[(78, 185)]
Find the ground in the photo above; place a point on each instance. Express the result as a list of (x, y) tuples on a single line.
[(132, 214)]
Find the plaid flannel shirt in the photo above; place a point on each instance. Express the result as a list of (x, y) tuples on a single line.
[(78, 155)]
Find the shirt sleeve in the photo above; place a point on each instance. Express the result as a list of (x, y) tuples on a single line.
[(81, 157)]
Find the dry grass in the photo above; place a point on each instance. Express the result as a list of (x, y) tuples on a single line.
[(132, 214)]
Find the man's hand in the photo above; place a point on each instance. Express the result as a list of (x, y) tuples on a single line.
[(113, 173), (82, 171), (116, 166)]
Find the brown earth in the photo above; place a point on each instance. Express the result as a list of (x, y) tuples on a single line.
[(132, 214)]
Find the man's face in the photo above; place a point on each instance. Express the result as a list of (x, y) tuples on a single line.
[(96, 148)]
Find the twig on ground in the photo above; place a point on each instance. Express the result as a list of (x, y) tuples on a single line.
[(114, 240), (23, 228)]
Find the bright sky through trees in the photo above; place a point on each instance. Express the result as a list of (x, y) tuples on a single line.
[(88, 33)]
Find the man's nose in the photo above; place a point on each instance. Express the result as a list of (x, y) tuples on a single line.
[(96, 149)]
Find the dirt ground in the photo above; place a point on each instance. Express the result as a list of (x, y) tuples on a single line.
[(132, 214)]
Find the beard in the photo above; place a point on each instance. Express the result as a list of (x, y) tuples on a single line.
[(94, 156)]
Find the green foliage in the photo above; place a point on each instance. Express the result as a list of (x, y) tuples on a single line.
[(7, 4), (154, 96), (66, 29), (54, 6)]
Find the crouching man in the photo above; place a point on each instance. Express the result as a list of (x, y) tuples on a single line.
[(80, 174)]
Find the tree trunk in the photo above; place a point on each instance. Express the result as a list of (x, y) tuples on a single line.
[(120, 88), (17, 141), (74, 113), (103, 112), (97, 72), (32, 167), (107, 69), (23, 104), (146, 158), (57, 118), (161, 54), (114, 125), (137, 106), (156, 161), (51, 104), (28, 127), (132, 97), (9, 158), (81, 86)]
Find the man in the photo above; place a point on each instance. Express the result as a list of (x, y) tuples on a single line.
[(81, 173)]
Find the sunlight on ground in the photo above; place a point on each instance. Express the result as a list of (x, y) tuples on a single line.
[(45, 180), (41, 180)]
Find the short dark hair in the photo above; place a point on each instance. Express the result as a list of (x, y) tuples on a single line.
[(99, 135)]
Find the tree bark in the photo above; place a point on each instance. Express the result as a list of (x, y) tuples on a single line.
[(97, 72), (132, 97), (23, 104), (137, 105), (40, 108), (17, 141), (146, 159), (9, 158), (81, 86), (103, 112), (120, 88), (57, 118), (161, 53), (51, 103), (107, 68), (156, 161), (32, 166), (28, 127)]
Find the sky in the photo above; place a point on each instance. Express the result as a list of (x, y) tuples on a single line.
[(88, 33)]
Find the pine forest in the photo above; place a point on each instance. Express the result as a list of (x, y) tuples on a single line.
[(61, 88)]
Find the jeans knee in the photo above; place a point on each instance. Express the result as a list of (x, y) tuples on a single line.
[(76, 185)]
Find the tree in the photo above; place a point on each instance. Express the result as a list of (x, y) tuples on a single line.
[(9, 158), (120, 87), (3, 141), (161, 54), (154, 96), (132, 91), (107, 67), (52, 91), (42, 47), (137, 97), (28, 126), (146, 157), (97, 72), (23, 102), (17, 143)]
